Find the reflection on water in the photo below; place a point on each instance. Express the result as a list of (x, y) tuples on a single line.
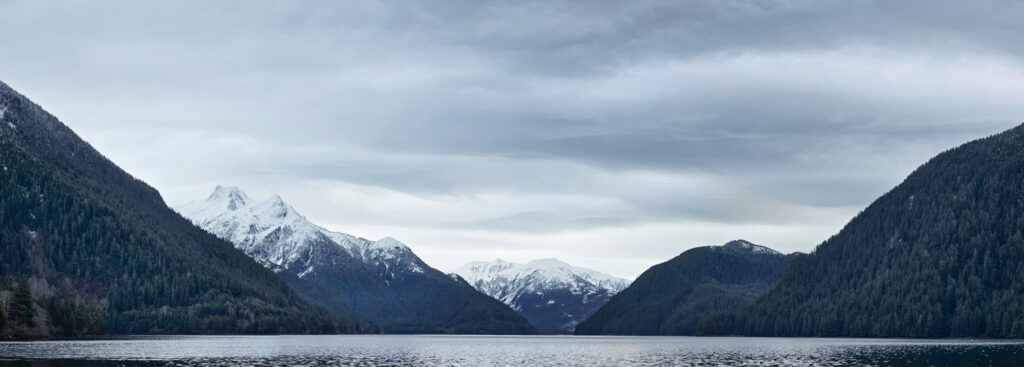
[(395, 350)]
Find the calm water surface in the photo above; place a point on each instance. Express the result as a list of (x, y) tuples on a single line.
[(395, 350)]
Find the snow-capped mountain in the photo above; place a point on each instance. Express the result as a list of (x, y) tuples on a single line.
[(553, 295), (383, 281), (272, 231)]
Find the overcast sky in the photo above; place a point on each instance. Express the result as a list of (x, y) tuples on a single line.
[(609, 134)]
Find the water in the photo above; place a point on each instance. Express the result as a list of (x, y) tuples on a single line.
[(400, 350)]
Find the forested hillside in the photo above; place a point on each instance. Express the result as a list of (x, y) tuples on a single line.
[(670, 298), (941, 255), (85, 248)]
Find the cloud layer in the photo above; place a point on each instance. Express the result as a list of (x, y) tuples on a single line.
[(609, 134)]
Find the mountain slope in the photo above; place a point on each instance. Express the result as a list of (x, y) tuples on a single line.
[(85, 248), (551, 294), (940, 255), (670, 298), (383, 281)]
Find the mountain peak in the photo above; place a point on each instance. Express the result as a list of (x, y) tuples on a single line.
[(231, 214), (551, 268), (555, 296), (699, 282), (741, 243), (747, 246), (390, 242), (222, 191), (232, 196), (275, 208), (549, 262)]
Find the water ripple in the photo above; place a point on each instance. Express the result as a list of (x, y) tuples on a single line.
[(506, 351)]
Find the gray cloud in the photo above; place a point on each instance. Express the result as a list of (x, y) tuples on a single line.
[(589, 130)]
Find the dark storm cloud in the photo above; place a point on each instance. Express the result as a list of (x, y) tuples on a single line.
[(553, 122), (569, 37)]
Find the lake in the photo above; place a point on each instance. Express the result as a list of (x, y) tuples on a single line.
[(431, 350)]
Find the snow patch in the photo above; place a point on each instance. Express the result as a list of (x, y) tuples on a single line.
[(746, 246)]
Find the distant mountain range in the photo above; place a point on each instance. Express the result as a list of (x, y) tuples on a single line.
[(85, 248), (552, 295), (672, 297), (941, 255), (382, 282)]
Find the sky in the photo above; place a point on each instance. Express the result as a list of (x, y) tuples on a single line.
[(609, 134)]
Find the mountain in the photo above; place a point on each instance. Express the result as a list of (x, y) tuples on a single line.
[(670, 298), (940, 255), (383, 281), (551, 294), (85, 248)]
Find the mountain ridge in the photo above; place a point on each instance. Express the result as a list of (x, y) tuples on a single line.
[(551, 294), (672, 297), (383, 281)]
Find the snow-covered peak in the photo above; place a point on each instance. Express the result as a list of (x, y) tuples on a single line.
[(275, 208), (223, 192), (746, 246), (548, 263), (555, 295), (496, 277), (273, 231), (230, 198), (388, 243), (231, 202)]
